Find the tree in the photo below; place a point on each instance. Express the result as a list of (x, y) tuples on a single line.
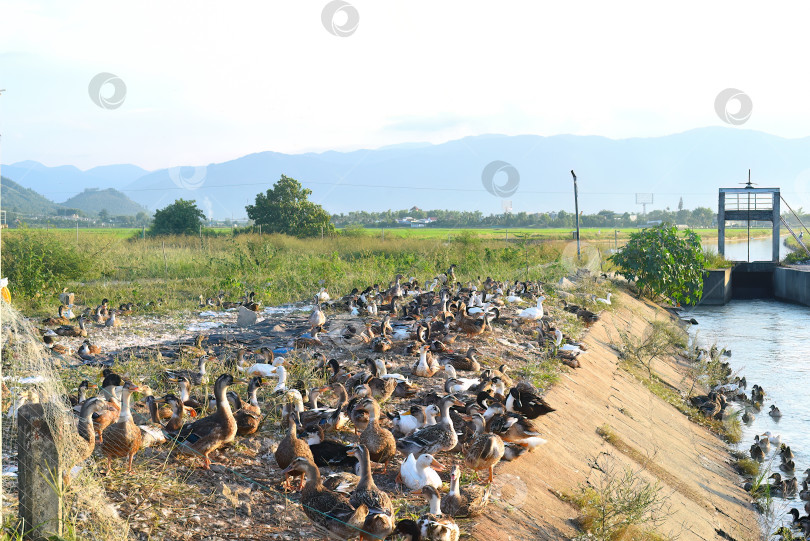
[(180, 218), (103, 215), (284, 208), (664, 264)]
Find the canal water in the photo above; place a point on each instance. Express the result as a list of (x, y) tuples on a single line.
[(761, 249), (770, 346)]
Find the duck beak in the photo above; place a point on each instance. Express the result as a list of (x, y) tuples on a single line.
[(437, 465), (92, 386), (417, 491), (242, 381), (457, 402)]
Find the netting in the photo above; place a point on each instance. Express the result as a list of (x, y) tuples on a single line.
[(31, 375)]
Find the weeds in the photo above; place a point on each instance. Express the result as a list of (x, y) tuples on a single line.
[(659, 339), (620, 504)]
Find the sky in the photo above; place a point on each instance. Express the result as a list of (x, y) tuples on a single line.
[(207, 81)]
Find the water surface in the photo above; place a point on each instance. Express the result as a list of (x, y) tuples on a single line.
[(770, 346)]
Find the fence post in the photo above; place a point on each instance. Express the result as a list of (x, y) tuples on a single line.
[(165, 264), (39, 474)]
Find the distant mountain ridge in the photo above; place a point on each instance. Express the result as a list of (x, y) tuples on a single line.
[(22, 200), (610, 172)]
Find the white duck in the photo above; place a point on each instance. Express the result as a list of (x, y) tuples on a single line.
[(535, 312), (323, 296), (775, 439), (459, 384), (431, 412), (281, 386), (264, 370), (419, 472), (382, 371), (565, 347), (603, 301), (427, 365)]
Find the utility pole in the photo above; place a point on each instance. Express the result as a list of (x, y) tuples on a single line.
[(576, 210)]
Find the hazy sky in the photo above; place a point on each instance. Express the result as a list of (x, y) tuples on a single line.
[(210, 81)]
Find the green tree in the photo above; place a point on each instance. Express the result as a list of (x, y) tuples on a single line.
[(664, 264), (103, 215), (180, 218), (284, 208)]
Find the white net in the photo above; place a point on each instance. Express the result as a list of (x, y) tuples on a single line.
[(54, 467)]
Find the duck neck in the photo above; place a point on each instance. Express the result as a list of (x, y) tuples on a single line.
[(446, 413), (82, 394), (435, 504), (453, 486), (125, 415), (85, 422), (366, 480), (253, 399), (223, 406), (201, 366), (184, 394)]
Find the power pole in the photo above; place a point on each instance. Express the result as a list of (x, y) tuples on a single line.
[(576, 210)]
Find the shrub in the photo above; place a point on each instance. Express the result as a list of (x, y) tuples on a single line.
[(180, 218), (37, 264), (664, 264)]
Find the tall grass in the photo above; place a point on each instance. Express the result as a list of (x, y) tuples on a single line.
[(278, 268)]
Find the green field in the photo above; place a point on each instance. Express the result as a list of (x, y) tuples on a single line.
[(586, 233)]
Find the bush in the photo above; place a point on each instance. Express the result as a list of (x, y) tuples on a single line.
[(37, 264), (664, 264)]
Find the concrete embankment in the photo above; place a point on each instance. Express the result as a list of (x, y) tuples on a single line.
[(692, 464)]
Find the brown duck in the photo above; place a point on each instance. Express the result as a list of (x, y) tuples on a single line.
[(291, 447), (379, 441), (122, 438)]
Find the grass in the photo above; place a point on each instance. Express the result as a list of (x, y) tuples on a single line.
[(280, 269), (549, 233)]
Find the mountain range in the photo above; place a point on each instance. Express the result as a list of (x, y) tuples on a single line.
[(689, 165)]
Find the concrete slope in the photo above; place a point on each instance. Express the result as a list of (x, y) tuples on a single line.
[(692, 464)]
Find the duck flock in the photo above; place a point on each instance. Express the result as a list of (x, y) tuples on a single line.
[(396, 391), (767, 446)]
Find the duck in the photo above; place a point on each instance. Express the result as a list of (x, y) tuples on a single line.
[(194, 377), (787, 466), (208, 434), (61, 319), (799, 521), (317, 318), (786, 452), (327, 452), (112, 321), (415, 473), (292, 447), (473, 326), (88, 348), (408, 530), (455, 384), (111, 408), (379, 522), (757, 453), (512, 427), (587, 317), (527, 403), (196, 350), (123, 438), (379, 441), (427, 365), (151, 429), (775, 439), (265, 369), (249, 415), (466, 362), (87, 444), (763, 442), (81, 396), (434, 525), (433, 439), (558, 335), (468, 501), (804, 493), (330, 512), (358, 416), (341, 481), (485, 450), (774, 412), (535, 312), (779, 485), (381, 344), (178, 417), (309, 340), (72, 330), (405, 422)]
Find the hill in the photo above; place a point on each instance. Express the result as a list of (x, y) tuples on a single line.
[(62, 182), (15, 198), (92, 201)]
